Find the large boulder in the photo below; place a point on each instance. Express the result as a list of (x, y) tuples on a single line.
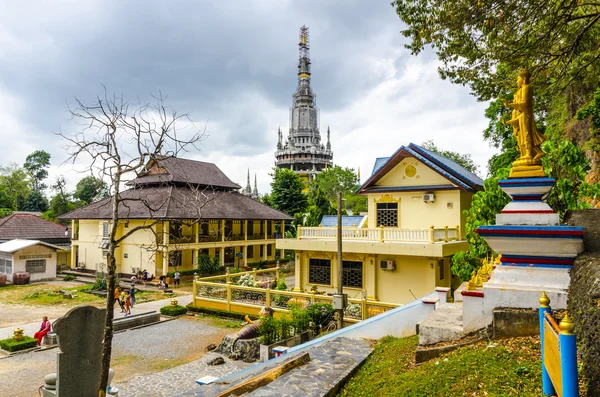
[(247, 350)]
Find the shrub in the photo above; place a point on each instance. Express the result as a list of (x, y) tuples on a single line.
[(246, 280), (69, 277), (234, 270), (183, 273), (300, 320), (100, 284), (320, 314), (173, 310), (12, 345), (281, 300), (208, 265), (220, 313), (353, 310), (272, 330)]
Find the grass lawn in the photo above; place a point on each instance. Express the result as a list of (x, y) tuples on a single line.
[(508, 367), (46, 294)]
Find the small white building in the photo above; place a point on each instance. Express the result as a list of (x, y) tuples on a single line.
[(32, 256)]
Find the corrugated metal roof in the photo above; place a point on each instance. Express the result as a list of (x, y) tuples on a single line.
[(17, 244), (457, 168), (379, 162), (347, 220)]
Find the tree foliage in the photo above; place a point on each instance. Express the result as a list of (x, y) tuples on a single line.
[(463, 159), (319, 206), (15, 185), (90, 189), (484, 207), (36, 165), (286, 192), (336, 179), (484, 43)]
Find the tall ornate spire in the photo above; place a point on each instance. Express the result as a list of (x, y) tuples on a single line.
[(303, 151), (328, 139), (279, 137), (255, 191), (248, 189)]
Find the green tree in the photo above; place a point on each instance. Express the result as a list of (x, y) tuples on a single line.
[(463, 159), (61, 202), (36, 165), (286, 192), (319, 206), (17, 185), (338, 179), (90, 189), (35, 202), (484, 43), (484, 207)]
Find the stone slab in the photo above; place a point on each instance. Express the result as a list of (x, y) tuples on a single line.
[(444, 324), (510, 323), (589, 219), (136, 320)]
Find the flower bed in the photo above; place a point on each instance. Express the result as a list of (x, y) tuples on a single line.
[(173, 310), (11, 345)]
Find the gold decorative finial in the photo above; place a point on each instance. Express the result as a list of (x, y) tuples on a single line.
[(544, 300), (529, 139), (566, 325)]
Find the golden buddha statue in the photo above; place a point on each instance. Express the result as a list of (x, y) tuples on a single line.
[(529, 139)]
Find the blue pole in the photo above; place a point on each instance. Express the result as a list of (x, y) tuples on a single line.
[(568, 358), (547, 387)]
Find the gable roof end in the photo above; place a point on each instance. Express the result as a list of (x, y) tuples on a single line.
[(449, 169)]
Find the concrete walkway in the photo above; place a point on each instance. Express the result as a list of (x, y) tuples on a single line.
[(32, 328)]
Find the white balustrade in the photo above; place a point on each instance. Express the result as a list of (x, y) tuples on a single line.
[(375, 234)]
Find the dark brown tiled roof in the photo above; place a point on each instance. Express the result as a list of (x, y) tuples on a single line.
[(31, 227), (172, 170), (179, 202)]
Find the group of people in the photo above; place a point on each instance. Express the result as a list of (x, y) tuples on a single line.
[(125, 299)]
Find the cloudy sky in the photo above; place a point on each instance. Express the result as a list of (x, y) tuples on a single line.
[(232, 65)]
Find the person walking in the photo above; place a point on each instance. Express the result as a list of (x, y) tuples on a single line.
[(127, 304), (118, 300), (177, 277), (44, 329), (132, 294)]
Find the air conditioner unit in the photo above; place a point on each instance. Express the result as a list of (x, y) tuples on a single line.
[(387, 265), (429, 198)]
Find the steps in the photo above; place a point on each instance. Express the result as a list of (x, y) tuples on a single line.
[(443, 325)]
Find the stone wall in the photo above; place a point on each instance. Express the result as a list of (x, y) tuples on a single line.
[(584, 297)]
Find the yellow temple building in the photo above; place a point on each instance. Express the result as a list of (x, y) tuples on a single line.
[(188, 208), (403, 250)]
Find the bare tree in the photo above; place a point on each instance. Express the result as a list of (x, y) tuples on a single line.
[(119, 140)]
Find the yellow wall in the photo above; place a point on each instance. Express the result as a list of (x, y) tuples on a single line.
[(419, 275), (413, 212), (138, 251)]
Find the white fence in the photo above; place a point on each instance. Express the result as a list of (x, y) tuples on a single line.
[(381, 234)]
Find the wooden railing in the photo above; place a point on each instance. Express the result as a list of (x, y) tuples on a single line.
[(223, 293), (382, 234)]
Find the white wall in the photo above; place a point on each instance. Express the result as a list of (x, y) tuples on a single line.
[(19, 264)]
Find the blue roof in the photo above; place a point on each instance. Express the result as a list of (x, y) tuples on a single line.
[(347, 220), (379, 162), (454, 172), (457, 168)]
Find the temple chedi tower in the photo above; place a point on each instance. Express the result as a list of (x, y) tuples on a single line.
[(302, 151)]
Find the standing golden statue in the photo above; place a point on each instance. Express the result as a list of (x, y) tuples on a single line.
[(529, 139)]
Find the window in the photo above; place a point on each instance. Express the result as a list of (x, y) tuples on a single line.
[(387, 214), (250, 228), (105, 230), (250, 251), (175, 258), (6, 264), (262, 228), (319, 271), (204, 229), (105, 254), (269, 249), (104, 243), (352, 274), (442, 269), (35, 265), (262, 251), (38, 256)]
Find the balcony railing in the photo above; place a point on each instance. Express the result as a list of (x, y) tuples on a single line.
[(224, 293), (381, 234)]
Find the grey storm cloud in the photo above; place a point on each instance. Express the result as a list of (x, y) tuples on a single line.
[(201, 54), (232, 65)]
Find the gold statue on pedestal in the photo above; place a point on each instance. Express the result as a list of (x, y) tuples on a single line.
[(529, 139)]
